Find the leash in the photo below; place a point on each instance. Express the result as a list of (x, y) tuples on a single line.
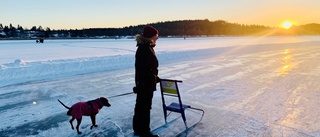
[(124, 94)]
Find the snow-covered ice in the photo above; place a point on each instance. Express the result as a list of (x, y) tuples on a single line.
[(248, 86)]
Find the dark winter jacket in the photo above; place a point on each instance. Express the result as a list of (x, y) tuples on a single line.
[(146, 65)]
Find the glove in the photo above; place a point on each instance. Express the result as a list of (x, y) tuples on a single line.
[(136, 90), (157, 79)]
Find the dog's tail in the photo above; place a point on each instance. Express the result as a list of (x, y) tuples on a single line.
[(64, 104)]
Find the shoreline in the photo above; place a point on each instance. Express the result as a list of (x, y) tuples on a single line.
[(132, 37)]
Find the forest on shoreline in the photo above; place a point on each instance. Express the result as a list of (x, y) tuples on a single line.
[(181, 28)]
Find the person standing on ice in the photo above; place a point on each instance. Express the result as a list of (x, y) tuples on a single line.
[(146, 79)]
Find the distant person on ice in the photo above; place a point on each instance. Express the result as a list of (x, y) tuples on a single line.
[(146, 79)]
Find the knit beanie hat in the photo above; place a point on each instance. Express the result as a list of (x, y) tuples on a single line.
[(149, 31)]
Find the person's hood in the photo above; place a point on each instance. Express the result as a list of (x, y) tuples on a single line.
[(143, 40)]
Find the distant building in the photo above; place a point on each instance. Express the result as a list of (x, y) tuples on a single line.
[(34, 34), (2, 34)]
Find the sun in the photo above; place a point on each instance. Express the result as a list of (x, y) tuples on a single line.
[(287, 25)]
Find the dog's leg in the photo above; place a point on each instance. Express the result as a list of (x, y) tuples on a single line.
[(93, 120), (71, 123), (78, 125)]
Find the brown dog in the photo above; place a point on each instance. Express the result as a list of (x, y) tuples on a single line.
[(90, 108)]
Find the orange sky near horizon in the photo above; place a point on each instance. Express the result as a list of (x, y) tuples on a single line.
[(72, 14)]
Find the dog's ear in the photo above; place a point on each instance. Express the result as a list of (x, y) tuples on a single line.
[(105, 101)]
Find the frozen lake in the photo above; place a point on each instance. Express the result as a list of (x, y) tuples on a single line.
[(248, 86)]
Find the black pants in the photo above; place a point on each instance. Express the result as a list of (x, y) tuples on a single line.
[(141, 117)]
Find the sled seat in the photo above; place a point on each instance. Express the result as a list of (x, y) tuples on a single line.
[(169, 88), (176, 107)]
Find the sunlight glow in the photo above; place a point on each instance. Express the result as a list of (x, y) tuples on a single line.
[(287, 25), (286, 61), (286, 51), (286, 58)]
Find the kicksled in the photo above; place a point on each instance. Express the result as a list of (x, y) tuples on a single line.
[(169, 89)]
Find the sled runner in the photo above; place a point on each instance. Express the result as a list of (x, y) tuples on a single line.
[(170, 88)]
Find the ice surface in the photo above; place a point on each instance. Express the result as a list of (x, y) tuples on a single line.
[(248, 86)]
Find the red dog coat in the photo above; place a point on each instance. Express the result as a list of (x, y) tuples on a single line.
[(85, 109)]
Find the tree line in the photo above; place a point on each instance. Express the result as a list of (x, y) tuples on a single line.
[(182, 28)]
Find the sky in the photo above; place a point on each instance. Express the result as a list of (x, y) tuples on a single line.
[(79, 14)]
